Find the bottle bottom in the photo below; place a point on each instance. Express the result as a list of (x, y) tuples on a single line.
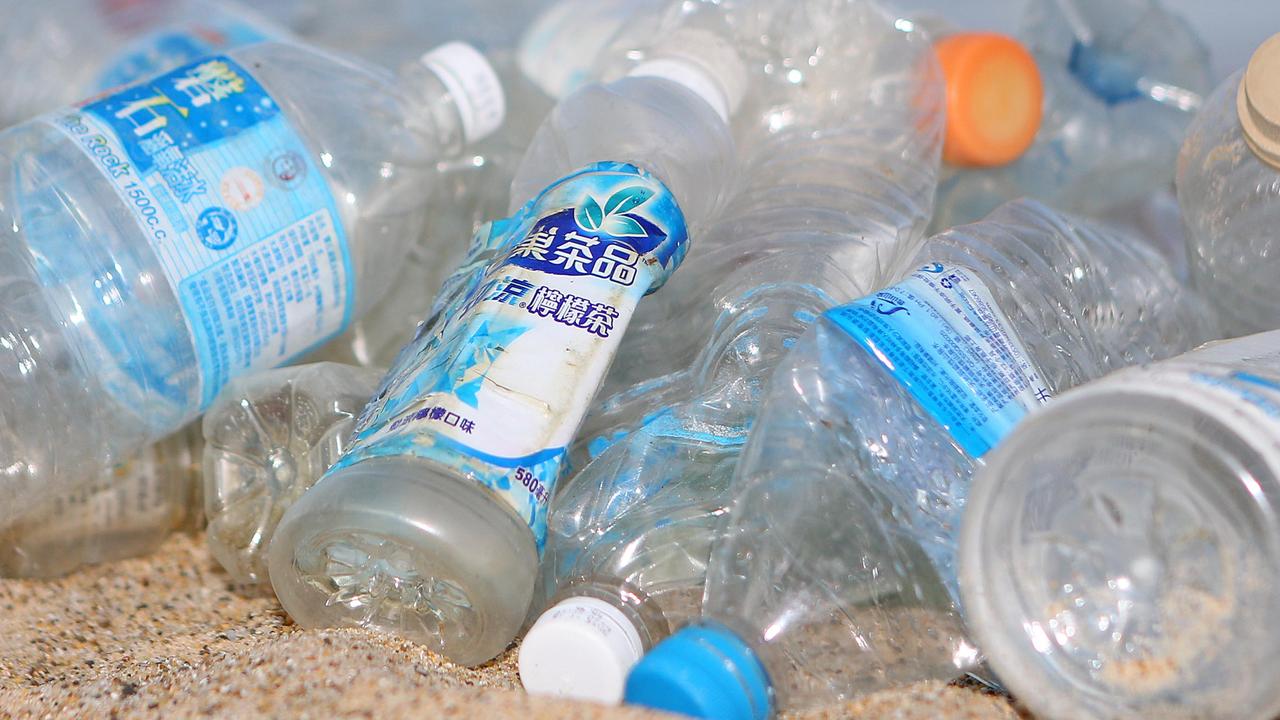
[(399, 545)]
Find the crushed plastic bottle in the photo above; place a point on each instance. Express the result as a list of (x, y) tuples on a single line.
[(71, 49), (223, 217), (1229, 191), (826, 212), (431, 525), (1122, 80), (268, 438), (1119, 551), (127, 512), (835, 571)]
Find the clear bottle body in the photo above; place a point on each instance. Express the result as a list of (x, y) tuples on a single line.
[(841, 538), (125, 513), (1122, 81), (268, 438), (386, 555), (1230, 201), (1119, 555), (99, 359), (72, 49)]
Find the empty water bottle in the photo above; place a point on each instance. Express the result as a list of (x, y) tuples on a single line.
[(128, 511), (268, 438), (1229, 190), (1119, 556), (835, 571), (1121, 80), (71, 49), (431, 525), (224, 217), (826, 210)]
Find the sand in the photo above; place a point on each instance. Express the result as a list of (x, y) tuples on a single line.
[(169, 636)]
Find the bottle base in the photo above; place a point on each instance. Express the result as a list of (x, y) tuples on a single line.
[(397, 545)]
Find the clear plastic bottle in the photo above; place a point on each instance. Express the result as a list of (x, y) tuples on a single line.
[(71, 49), (431, 525), (1229, 191), (1122, 79), (268, 438), (835, 570), (127, 512), (224, 217), (826, 213), (1121, 551)]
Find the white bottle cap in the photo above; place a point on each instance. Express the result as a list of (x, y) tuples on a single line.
[(1258, 102), (474, 86), (581, 648), (703, 63)]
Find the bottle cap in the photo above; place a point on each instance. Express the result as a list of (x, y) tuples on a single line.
[(994, 98), (703, 671), (581, 648), (703, 63), (474, 86), (1258, 102)]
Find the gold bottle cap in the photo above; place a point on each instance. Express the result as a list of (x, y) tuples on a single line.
[(1258, 102)]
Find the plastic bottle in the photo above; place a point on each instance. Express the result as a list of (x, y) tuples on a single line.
[(430, 526), (826, 211), (71, 49), (1229, 191), (835, 571), (127, 512), (243, 218), (1121, 81), (268, 438), (1119, 552)]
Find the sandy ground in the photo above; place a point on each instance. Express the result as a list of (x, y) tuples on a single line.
[(169, 636)]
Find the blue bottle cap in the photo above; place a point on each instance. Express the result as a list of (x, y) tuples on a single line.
[(1111, 76), (703, 671)]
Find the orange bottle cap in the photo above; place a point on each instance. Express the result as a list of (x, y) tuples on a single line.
[(994, 98)]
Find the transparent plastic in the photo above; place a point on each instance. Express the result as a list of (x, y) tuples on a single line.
[(826, 212), (72, 251), (1122, 81), (268, 438), (837, 560), (405, 546), (126, 512), (1121, 551), (1230, 203), (71, 49)]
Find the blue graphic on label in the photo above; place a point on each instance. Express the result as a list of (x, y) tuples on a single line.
[(941, 334), (258, 261), (496, 387), (173, 46)]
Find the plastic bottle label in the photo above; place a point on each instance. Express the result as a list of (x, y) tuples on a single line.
[(941, 334), (243, 223), (497, 388), (174, 46)]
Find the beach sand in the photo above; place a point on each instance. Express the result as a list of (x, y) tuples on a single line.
[(169, 636)]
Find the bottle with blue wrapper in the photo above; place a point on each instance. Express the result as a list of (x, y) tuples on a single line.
[(224, 217), (71, 49), (834, 573), (431, 525), (1121, 79), (1229, 193), (826, 212), (1119, 551)]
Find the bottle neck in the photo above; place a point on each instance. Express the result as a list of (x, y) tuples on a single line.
[(432, 112)]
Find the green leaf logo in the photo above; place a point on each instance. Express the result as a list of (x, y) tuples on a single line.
[(589, 215), (627, 199), (623, 226)]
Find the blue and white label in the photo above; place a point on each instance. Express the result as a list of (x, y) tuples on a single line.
[(941, 334), (243, 224), (178, 45), (496, 389)]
